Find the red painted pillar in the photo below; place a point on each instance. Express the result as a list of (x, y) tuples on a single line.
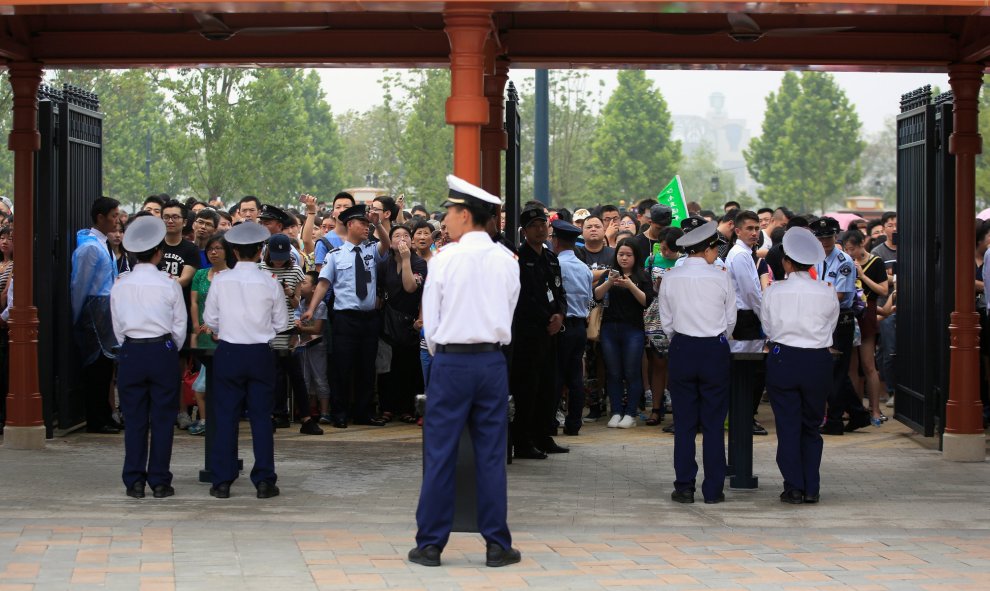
[(494, 140), (964, 439), (467, 108), (25, 428)]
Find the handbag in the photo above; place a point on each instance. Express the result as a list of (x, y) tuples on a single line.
[(595, 322), (188, 379), (655, 336), (397, 328)]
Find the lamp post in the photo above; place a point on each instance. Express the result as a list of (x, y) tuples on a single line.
[(716, 183)]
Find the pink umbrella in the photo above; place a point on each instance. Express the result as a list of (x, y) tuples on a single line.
[(984, 215), (844, 219)]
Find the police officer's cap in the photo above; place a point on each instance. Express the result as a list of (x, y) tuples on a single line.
[(801, 246), (661, 214), (700, 238), (530, 215), (354, 212), (565, 230), (144, 234), (461, 192), (270, 212), (247, 233), (692, 223), (824, 226)]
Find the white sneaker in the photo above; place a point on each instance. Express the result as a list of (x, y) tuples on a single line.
[(890, 402), (183, 420), (614, 421), (627, 422), (560, 418)]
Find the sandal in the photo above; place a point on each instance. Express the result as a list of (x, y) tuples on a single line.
[(655, 418), (408, 419)]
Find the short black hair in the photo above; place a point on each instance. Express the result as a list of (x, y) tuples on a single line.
[(982, 228), (731, 205), (796, 265), (730, 216), (247, 251), (102, 206), (224, 215), (565, 214), (175, 203), (154, 199), (534, 203), (314, 275), (343, 195), (389, 205), (798, 221), (479, 216), (644, 206), (763, 210), (607, 207), (887, 216), (209, 214), (247, 198), (419, 225), (146, 256), (707, 213), (669, 236), (742, 216), (416, 208)]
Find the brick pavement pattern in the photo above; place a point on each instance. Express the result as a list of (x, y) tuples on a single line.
[(894, 515)]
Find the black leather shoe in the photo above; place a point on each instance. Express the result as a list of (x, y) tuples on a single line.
[(571, 432), (529, 453), (550, 447), (812, 499), (267, 490), (220, 491), (103, 429), (136, 490), (682, 496), (792, 497), (116, 425), (498, 556), (162, 490), (758, 429), (668, 429), (831, 428), (858, 422), (370, 421), (339, 424), (719, 499), (311, 427), (282, 422), (426, 556)]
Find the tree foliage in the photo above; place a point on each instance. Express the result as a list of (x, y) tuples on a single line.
[(696, 178), (808, 154), (633, 153)]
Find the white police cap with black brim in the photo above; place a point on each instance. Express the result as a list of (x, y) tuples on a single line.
[(144, 234), (461, 192), (801, 246), (704, 235), (247, 233)]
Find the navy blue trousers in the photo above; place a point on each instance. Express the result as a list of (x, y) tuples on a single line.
[(843, 397), (148, 384), (243, 377), (570, 369), (698, 380), (471, 389), (355, 347), (799, 382)]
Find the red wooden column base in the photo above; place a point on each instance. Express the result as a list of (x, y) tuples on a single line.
[(964, 440), (25, 427), (467, 108)]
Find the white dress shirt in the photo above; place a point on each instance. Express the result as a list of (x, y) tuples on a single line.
[(245, 306), (749, 292), (146, 303), (470, 293), (800, 312), (697, 299)]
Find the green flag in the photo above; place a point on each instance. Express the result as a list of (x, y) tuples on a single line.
[(673, 197)]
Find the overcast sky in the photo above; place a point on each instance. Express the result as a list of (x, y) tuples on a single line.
[(876, 96)]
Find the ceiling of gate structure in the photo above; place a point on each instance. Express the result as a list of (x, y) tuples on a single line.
[(877, 35)]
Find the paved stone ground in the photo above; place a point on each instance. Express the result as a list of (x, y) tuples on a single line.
[(894, 516)]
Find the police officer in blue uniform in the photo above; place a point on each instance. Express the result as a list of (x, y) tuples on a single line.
[(839, 271), (697, 311), (351, 272), (245, 309), (577, 278), (468, 302), (799, 316), (149, 318)]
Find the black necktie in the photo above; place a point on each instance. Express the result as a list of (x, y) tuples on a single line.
[(361, 275)]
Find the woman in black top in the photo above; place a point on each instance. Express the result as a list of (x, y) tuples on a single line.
[(400, 278), (626, 291)]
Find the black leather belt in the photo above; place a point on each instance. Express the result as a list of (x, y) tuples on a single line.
[(356, 313), (575, 320), (469, 348), (162, 339)]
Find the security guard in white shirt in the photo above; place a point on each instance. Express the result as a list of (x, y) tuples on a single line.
[(468, 303), (149, 319), (697, 311), (799, 316), (245, 308)]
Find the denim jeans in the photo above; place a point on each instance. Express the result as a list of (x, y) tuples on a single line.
[(622, 346)]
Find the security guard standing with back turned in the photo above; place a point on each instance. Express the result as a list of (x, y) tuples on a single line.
[(697, 311), (149, 318), (839, 271), (799, 316), (245, 308), (468, 301)]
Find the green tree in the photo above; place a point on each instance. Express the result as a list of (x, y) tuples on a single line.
[(808, 154), (426, 147), (696, 173), (369, 140), (323, 174), (6, 121), (982, 161), (633, 155), (879, 163)]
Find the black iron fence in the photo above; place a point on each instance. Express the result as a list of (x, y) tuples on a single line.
[(513, 165), (68, 178)]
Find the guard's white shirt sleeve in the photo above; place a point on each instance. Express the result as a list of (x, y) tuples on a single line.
[(432, 300), (211, 311), (666, 315), (179, 316), (280, 313)]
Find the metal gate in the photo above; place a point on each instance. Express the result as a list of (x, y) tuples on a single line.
[(925, 259), (68, 179), (513, 165)]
